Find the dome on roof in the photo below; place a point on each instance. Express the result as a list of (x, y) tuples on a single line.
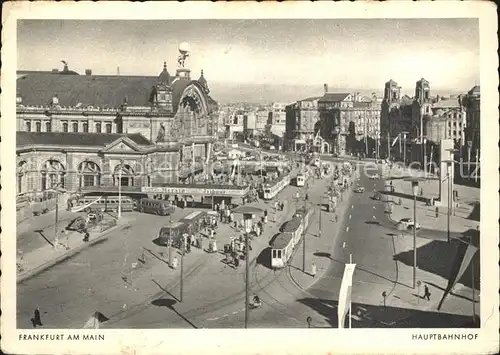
[(203, 82), (475, 90), (164, 76)]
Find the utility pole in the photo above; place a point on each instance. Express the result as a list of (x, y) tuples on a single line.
[(473, 289), (56, 231), (450, 192), (404, 148), (320, 208), (182, 270), (120, 190), (247, 281), (477, 164), (366, 137), (388, 146), (414, 237), (425, 156)]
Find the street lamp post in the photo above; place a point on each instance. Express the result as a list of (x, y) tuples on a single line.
[(247, 217), (120, 190), (56, 231), (404, 147), (182, 271), (320, 208), (449, 176), (414, 184)]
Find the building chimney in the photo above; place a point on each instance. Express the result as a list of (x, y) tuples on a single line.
[(326, 88), (88, 71)]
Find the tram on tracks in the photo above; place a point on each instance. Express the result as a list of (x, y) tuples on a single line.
[(269, 191), (302, 178), (283, 246)]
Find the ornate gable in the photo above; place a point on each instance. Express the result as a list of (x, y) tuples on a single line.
[(121, 145)]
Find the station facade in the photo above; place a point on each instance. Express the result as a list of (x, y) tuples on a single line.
[(93, 130)]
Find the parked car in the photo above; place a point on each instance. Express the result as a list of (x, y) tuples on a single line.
[(409, 223), (375, 177), (359, 189)]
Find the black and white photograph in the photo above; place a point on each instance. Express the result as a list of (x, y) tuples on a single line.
[(311, 173)]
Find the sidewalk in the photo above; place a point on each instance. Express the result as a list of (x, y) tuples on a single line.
[(426, 215), (38, 260)]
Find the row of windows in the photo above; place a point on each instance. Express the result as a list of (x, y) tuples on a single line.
[(455, 124), (38, 126), (277, 253), (65, 127)]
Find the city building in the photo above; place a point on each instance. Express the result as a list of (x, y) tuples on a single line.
[(396, 112), (277, 119), (261, 118), (472, 103), (65, 120), (301, 123), (349, 122), (421, 108), (447, 120), (235, 124)]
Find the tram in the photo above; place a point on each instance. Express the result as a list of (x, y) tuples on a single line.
[(302, 178), (283, 246), (271, 190)]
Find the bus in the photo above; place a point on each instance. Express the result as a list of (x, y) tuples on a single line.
[(194, 221), (105, 204), (158, 207)]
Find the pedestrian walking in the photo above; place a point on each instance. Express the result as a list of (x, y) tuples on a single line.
[(37, 319), (427, 294), (86, 237), (313, 270)]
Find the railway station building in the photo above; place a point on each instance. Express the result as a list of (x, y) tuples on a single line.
[(90, 130)]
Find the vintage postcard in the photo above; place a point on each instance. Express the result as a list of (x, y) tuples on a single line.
[(249, 178)]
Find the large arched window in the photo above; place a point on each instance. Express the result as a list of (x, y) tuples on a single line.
[(65, 127), (22, 167), (108, 127), (52, 174), (85, 127), (38, 126), (48, 127), (28, 126), (89, 174), (98, 127), (125, 173), (75, 127)]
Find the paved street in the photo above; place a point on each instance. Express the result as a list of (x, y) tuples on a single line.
[(101, 277)]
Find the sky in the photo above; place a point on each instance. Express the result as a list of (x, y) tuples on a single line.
[(354, 53)]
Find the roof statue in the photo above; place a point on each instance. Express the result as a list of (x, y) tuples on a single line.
[(65, 65), (184, 50), (161, 133)]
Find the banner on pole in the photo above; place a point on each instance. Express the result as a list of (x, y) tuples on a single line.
[(345, 294), (395, 140), (464, 256)]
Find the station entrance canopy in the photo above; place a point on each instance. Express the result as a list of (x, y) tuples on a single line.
[(220, 190)]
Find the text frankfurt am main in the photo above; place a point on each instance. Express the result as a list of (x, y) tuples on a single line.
[(56, 337)]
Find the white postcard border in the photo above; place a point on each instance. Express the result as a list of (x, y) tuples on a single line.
[(275, 341)]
